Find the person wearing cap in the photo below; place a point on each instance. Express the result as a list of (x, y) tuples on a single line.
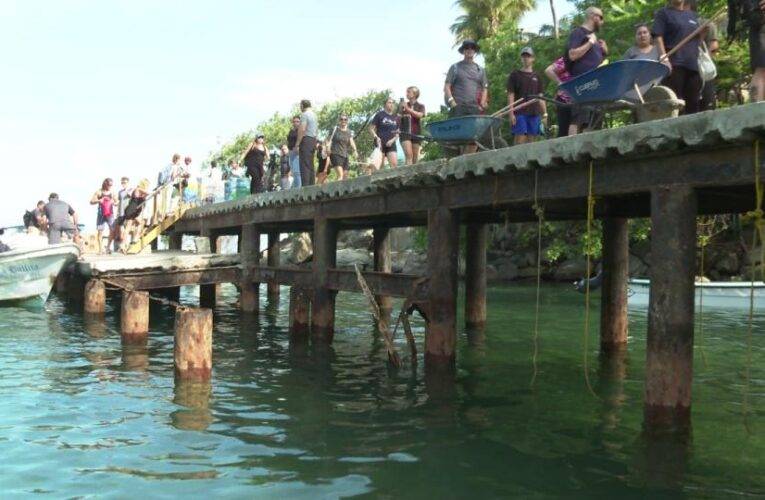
[(466, 87), (526, 83)]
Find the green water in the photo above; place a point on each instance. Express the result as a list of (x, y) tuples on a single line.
[(81, 417)]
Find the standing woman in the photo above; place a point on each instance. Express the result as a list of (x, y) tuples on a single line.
[(385, 130), (644, 47), (558, 73), (255, 159), (671, 24), (106, 200), (341, 145), (412, 113)]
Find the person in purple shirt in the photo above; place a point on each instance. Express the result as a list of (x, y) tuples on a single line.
[(671, 25), (585, 52)]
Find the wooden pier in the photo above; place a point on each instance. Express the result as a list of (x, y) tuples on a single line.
[(669, 170)]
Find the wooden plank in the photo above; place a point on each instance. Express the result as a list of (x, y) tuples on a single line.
[(391, 285), (167, 279)]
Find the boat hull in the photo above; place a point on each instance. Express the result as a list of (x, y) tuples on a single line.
[(27, 276), (723, 295)]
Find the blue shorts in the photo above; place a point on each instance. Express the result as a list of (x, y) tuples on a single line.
[(527, 125)]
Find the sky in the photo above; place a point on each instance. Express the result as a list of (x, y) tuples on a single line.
[(106, 88)]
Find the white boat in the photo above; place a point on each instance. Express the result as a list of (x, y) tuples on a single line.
[(27, 275), (715, 294)]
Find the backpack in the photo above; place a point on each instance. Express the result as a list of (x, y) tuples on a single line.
[(107, 206)]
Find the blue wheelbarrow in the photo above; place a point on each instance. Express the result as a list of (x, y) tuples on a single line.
[(630, 84), (466, 130)]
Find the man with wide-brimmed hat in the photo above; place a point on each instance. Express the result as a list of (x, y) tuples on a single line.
[(466, 87)]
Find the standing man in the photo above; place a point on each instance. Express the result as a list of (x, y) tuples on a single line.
[(466, 90), (585, 52), (305, 144), (61, 220), (294, 159), (526, 82)]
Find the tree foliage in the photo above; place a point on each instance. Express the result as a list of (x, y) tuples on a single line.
[(484, 18), (275, 129)]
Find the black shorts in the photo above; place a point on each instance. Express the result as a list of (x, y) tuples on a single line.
[(757, 47), (339, 161), (415, 139), (388, 149), (322, 165)]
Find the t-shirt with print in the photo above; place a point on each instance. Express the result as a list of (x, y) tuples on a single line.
[(525, 83), (311, 123), (468, 80), (673, 26), (635, 53), (559, 68), (386, 125), (591, 59)]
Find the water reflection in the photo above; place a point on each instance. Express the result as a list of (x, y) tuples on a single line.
[(612, 371), (135, 356), (194, 396), (95, 325)]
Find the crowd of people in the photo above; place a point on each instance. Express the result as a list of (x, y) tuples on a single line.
[(676, 37)]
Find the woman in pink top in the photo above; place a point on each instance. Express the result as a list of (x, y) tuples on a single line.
[(557, 72)]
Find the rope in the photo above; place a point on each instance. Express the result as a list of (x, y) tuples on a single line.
[(759, 229), (704, 240), (588, 251), (540, 213)]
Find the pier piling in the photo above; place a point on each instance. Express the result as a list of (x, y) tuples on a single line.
[(249, 245), (383, 263), (193, 343), (613, 301), (443, 253), (273, 262), (134, 320), (209, 293), (669, 353), (300, 312), (475, 276), (95, 297), (324, 258)]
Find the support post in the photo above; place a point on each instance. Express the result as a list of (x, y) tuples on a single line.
[(383, 263), (324, 258), (175, 241), (475, 276), (193, 343), (249, 244), (95, 297), (300, 312), (616, 269), (669, 353), (208, 293), (273, 261), (443, 253), (134, 319)]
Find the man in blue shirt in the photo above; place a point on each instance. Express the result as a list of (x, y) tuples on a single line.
[(585, 52)]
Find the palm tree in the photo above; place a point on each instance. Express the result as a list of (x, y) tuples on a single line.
[(484, 18), (554, 19)]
